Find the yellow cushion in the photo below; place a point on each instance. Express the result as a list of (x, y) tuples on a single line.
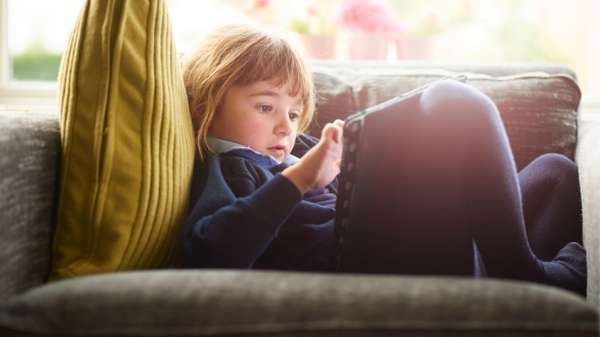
[(127, 141)]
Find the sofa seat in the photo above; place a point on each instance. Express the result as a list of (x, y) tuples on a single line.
[(259, 303)]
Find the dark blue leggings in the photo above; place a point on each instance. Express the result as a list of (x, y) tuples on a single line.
[(468, 179), (551, 204)]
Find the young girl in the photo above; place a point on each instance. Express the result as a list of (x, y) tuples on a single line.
[(264, 194)]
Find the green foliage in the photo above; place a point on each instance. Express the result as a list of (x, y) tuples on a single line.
[(299, 26), (36, 64)]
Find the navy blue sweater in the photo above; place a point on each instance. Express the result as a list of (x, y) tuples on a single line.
[(245, 214)]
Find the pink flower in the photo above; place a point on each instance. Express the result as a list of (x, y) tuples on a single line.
[(261, 3), (371, 16)]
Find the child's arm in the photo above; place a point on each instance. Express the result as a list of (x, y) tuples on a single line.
[(224, 231)]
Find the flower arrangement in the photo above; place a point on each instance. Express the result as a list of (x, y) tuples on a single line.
[(369, 16), (316, 31)]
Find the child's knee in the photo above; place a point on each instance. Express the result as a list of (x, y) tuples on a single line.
[(450, 99), (560, 166)]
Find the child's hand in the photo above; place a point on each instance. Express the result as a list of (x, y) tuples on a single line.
[(319, 166)]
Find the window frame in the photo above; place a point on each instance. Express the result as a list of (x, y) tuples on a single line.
[(31, 93), (20, 93), (3, 42)]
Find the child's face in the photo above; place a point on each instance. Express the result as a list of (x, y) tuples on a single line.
[(260, 115)]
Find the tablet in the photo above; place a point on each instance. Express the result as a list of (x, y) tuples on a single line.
[(373, 233)]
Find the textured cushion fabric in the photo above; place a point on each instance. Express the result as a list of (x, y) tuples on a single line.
[(476, 68), (539, 109), (169, 303), (29, 156), (588, 162), (127, 141)]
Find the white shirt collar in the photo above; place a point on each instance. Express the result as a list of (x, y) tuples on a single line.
[(220, 145)]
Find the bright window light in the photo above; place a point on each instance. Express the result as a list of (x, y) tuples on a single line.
[(435, 31)]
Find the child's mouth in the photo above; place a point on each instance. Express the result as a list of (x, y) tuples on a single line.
[(278, 150)]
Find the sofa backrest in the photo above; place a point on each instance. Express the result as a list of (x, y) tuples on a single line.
[(29, 158), (538, 105)]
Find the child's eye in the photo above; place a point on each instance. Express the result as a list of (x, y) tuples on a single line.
[(265, 108), (294, 116)]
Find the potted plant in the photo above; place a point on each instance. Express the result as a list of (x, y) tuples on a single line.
[(315, 31)]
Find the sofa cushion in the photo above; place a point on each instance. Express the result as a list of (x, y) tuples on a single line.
[(169, 303), (539, 108), (127, 141)]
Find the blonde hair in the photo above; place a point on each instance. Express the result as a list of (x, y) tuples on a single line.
[(241, 55)]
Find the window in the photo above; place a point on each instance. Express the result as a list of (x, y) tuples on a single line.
[(439, 31), (33, 33)]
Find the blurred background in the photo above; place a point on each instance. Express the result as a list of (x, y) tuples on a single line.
[(33, 33)]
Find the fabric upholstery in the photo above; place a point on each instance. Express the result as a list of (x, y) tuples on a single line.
[(29, 158), (205, 302), (588, 162), (539, 108), (127, 141), (210, 302), (491, 69)]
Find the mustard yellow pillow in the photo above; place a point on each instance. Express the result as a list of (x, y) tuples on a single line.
[(127, 141)]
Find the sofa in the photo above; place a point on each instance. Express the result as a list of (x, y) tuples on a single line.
[(540, 107)]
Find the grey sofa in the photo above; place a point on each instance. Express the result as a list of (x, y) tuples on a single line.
[(539, 105)]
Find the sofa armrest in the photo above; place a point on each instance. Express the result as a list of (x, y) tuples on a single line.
[(29, 157), (588, 161)]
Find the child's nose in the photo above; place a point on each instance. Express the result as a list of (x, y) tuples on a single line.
[(284, 125)]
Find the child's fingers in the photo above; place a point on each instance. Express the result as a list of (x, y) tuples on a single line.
[(336, 133), (340, 129), (333, 131), (326, 134)]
